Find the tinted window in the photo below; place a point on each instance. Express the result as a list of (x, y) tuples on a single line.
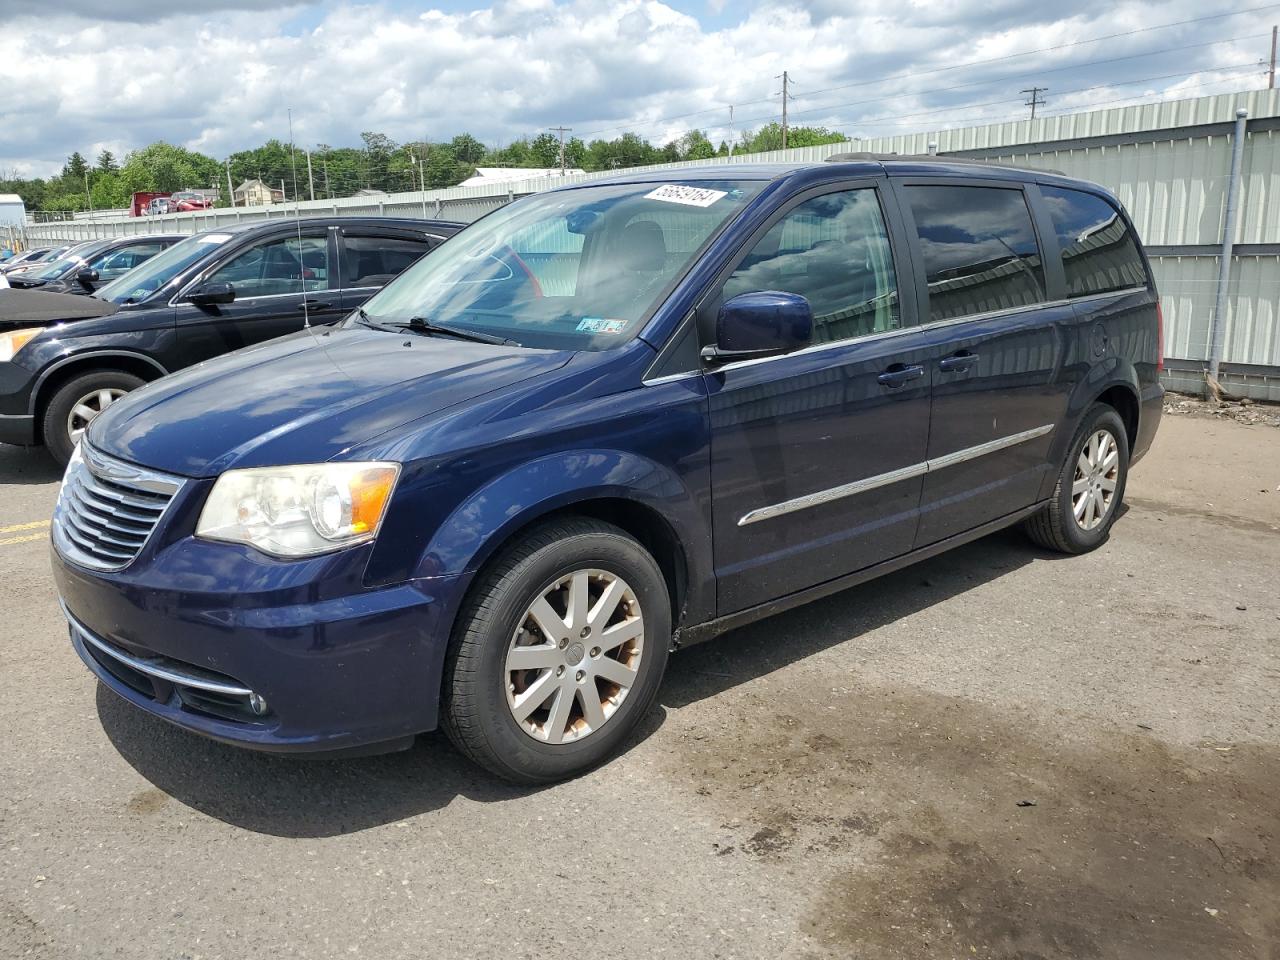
[(1099, 253), (121, 261), (834, 251), (273, 267), (373, 261), (979, 249)]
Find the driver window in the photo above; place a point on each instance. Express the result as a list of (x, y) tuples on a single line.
[(280, 266), (834, 251)]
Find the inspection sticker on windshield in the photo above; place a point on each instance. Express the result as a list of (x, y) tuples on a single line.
[(689, 196), (601, 325)]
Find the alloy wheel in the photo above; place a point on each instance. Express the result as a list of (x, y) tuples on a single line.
[(575, 656), (88, 407), (1093, 489)]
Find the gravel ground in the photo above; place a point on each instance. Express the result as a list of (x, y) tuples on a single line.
[(997, 753)]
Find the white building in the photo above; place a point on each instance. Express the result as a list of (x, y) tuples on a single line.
[(13, 212)]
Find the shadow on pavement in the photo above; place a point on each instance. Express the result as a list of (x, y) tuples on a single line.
[(317, 796), (758, 649), (31, 465), (302, 795)]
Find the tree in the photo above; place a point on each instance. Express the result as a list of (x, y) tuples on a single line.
[(769, 137), (107, 162), (165, 167), (467, 149), (544, 150), (378, 148), (75, 169)]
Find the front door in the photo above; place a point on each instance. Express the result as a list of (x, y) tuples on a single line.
[(999, 387), (281, 282), (817, 457)]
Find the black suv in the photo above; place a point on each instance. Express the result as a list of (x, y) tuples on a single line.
[(209, 294), (85, 268)]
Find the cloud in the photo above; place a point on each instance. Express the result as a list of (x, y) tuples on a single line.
[(219, 77)]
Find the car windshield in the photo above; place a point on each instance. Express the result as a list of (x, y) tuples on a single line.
[(577, 269), (57, 269), (144, 280)]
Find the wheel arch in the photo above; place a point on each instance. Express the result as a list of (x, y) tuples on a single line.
[(68, 368), (639, 496)]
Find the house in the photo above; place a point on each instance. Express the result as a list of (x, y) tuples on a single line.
[(486, 176), (255, 193)]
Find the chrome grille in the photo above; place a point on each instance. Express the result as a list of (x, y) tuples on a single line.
[(107, 509)]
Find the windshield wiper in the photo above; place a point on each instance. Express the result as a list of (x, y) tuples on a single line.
[(367, 321), (423, 325)]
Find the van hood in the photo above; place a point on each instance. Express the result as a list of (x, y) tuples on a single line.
[(304, 398)]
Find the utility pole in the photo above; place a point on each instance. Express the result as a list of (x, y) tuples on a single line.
[(311, 183), (786, 82), (88, 196), (1036, 100), (562, 131), (1271, 74), (733, 134), (231, 193), (324, 165)]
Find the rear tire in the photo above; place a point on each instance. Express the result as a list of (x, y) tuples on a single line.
[(74, 405), (1090, 487), (538, 687)]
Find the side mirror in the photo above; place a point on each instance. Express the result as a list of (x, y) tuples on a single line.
[(87, 278), (760, 324), (209, 294)]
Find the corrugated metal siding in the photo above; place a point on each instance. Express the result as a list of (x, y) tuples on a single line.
[(1188, 291)]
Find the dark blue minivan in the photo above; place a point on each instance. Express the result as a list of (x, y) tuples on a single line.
[(601, 423)]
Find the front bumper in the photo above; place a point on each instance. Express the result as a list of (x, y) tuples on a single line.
[(190, 639), (18, 428)]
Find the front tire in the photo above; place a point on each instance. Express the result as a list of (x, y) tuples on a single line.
[(558, 652), (77, 402), (1090, 488)]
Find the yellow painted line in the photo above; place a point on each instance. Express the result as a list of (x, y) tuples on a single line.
[(34, 525), (26, 539)]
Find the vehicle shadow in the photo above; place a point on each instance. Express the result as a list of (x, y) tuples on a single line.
[(303, 795), (758, 649), (321, 796), (29, 465)]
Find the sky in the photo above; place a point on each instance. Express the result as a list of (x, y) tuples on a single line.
[(221, 75)]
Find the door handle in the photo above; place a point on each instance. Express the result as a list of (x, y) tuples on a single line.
[(899, 373), (313, 305), (958, 363)]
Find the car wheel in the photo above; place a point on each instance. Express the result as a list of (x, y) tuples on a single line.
[(558, 652), (1090, 487), (75, 404)]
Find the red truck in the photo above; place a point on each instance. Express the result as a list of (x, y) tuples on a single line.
[(138, 206)]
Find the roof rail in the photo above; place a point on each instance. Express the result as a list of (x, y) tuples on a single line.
[(931, 158)]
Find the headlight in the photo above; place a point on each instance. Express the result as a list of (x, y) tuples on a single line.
[(15, 340), (299, 511)]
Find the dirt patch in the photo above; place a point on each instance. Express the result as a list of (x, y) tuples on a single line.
[(147, 801), (1241, 411), (939, 828)]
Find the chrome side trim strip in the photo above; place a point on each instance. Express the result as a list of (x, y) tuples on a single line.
[(991, 446), (150, 667), (834, 493), (893, 476)]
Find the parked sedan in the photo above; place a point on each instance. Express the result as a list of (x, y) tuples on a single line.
[(207, 295), (23, 261), (86, 268)]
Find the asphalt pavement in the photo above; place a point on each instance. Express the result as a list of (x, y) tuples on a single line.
[(997, 753)]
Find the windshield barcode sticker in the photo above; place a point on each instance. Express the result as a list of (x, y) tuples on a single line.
[(689, 196)]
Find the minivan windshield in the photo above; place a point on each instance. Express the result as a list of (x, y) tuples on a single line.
[(145, 279), (576, 269)]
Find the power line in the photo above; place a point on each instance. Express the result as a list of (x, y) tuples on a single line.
[(995, 80), (641, 124), (1036, 100)]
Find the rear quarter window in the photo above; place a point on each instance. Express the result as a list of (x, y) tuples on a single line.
[(1099, 251)]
